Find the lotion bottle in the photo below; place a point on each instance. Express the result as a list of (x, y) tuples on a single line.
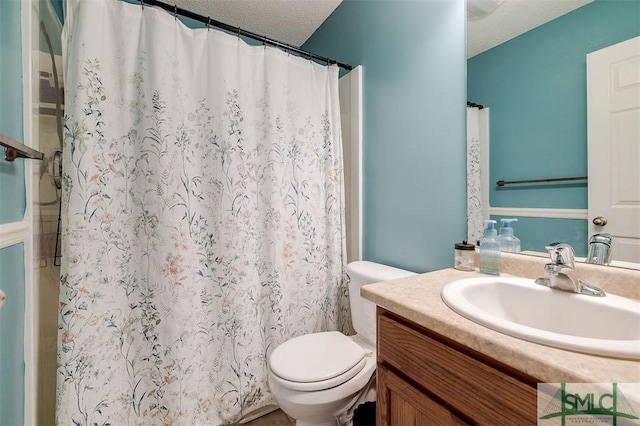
[(490, 249), (508, 242)]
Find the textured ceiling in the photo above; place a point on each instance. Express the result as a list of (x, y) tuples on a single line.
[(293, 21), (512, 18), (289, 21)]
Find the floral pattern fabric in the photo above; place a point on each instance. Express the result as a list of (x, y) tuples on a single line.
[(203, 218), (475, 216)]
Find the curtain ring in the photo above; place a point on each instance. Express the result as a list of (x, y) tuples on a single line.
[(142, 4), (208, 23), (239, 29), (175, 11)]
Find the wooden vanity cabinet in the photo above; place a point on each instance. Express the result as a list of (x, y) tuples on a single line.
[(424, 378)]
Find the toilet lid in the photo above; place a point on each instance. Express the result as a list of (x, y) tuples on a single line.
[(315, 357)]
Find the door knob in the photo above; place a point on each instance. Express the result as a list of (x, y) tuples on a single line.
[(599, 221)]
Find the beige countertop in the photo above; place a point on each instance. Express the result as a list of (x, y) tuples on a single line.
[(417, 298)]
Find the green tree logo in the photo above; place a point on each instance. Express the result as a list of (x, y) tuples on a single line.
[(589, 405)]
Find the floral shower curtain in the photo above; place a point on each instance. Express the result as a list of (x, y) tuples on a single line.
[(203, 217)]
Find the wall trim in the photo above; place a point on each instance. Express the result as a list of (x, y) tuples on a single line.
[(13, 233), (534, 212)]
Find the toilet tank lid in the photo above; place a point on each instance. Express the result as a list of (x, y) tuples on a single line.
[(315, 357), (373, 272)]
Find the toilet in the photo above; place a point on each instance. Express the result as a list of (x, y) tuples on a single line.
[(317, 378)]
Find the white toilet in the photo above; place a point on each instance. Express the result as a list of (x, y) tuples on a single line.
[(318, 377)]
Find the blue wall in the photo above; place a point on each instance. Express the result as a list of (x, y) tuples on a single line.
[(12, 207), (413, 54), (50, 12), (12, 335), (535, 86), (12, 174), (57, 6)]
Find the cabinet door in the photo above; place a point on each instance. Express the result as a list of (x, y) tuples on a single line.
[(471, 385), (399, 403)]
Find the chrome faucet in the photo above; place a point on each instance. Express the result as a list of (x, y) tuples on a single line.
[(599, 249), (563, 256)]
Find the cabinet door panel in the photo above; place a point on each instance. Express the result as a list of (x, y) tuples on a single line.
[(477, 391), (399, 403)]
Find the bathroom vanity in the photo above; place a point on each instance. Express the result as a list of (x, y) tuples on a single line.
[(425, 378), (437, 367)]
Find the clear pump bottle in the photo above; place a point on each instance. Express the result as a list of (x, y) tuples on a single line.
[(490, 249), (508, 242)]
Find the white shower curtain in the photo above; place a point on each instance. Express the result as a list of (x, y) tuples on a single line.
[(203, 217), (475, 219)]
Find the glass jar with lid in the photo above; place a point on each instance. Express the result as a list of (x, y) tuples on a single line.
[(464, 256)]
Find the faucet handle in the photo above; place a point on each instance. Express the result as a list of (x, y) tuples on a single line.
[(562, 254)]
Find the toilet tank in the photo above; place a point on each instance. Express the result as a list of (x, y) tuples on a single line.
[(363, 312)]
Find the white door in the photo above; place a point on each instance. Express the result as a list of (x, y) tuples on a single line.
[(350, 86), (613, 112)]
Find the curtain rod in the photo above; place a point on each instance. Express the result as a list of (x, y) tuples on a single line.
[(474, 105), (512, 182), (14, 149), (175, 10)]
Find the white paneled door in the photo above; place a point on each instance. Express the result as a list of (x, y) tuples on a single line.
[(613, 108)]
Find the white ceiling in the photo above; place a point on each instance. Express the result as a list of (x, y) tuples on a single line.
[(293, 21), (288, 21), (512, 18)]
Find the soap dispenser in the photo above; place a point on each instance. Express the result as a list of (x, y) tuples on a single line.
[(508, 242), (490, 249)]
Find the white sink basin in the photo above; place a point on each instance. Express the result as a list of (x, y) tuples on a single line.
[(519, 307)]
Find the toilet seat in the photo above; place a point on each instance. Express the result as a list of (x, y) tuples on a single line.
[(323, 384), (316, 361)]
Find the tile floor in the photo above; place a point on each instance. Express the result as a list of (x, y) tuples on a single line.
[(277, 418)]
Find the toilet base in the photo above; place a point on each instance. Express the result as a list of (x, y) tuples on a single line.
[(329, 413), (321, 415)]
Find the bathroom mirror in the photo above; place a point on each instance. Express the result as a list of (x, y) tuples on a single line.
[(535, 88)]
